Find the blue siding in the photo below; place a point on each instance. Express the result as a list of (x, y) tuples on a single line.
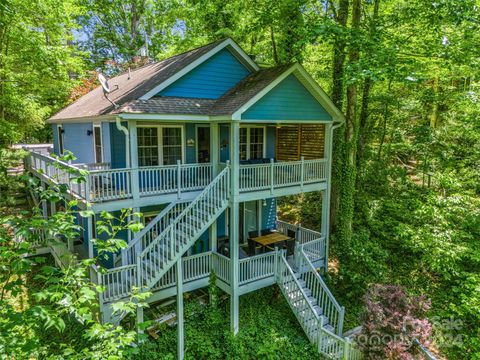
[(190, 153), (56, 149), (107, 157), (289, 100), (117, 147), (209, 80), (77, 141), (224, 139), (271, 140), (269, 213)]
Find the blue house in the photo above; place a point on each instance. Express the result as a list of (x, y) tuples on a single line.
[(203, 144)]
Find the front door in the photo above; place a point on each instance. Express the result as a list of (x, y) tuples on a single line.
[(203, 144)]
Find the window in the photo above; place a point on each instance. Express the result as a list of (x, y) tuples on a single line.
[(252, 143), (147, 146), (60, 139), (97, 141), (172, 145), (159, 145)]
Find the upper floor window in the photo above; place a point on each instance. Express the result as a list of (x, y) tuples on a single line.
[(97, 141), (159, 145), (252, 143)]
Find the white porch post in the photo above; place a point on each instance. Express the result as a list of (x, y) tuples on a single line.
[(134, 159), (234, 224), (212, 235), (214, 148), (44, 204), (180, 340), (90, 236)]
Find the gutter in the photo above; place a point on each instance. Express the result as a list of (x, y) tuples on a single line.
[(123, 129)]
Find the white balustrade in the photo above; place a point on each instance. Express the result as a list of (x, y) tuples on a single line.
[(257, 267), (275, 175)]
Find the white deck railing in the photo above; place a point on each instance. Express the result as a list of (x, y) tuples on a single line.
[(105, 184), (275, 175), (257, 267)]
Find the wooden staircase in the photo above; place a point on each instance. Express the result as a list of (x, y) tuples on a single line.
[(168, 247), (315, 308)]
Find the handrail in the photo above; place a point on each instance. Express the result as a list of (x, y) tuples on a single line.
[(172, 248), (299, 286), (325, 302), (129, 253)]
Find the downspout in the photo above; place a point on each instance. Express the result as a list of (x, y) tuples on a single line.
[(329, 190), (123, 129)]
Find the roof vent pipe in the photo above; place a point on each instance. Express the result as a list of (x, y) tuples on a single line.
[(123, 129)]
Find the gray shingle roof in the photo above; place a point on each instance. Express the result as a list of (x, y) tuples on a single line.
[(141, 80), (126, 89), (168, 105)]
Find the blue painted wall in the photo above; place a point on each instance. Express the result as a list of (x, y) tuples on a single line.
[(55, 139), (269, 213), (77, 141), (289, 100), (224, 138), (271, 141), (190, 151), (209, 80), (117, 147)]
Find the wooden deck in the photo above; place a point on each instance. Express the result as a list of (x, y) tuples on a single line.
[(100, 185)]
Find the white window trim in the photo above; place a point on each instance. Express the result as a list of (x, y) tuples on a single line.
[(159, 141), (99, 126), (248, 127), (61, 139)]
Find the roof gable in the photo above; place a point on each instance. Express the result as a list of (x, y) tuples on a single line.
[(288, 100), (211, 79)]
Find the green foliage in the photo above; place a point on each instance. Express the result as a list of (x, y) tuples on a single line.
[(45, 311), (268, 330)]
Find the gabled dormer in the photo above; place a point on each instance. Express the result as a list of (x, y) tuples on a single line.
[(210, 76)]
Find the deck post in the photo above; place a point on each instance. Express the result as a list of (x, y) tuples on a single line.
[(234, 224), (44, 204), (214, 149), (134, 179), (179, 178), (180, 340), (90, 236), (212, 235)]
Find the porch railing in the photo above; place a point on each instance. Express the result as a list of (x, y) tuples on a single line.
[(58, 172), (302, 235), (274, 175), (120, 281), (257, 267), (150, 232), (221, 266), (320, 292)]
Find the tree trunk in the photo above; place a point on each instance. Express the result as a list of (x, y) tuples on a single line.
[(366, 126), (339, 56), (346, 204)]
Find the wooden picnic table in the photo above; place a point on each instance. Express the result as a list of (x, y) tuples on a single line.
[(270, 239)]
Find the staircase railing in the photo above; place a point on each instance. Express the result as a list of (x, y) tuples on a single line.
[(149, 233), (322, 294), (157, 257), (297, 299)]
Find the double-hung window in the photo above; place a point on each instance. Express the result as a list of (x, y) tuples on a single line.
[(159, 145), (252, 143)]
